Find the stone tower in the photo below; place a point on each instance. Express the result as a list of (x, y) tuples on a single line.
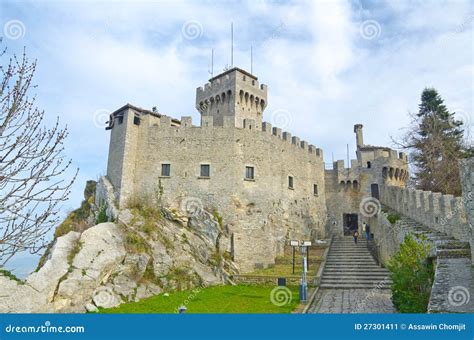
[(233, 97)]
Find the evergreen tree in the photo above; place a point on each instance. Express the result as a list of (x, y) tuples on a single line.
[(437, 142)]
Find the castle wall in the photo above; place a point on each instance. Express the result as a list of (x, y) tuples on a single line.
[(466, 169), (262, 214), (444, 213), (347, 187)]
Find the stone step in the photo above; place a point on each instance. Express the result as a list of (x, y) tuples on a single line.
[(355, 278), (349, 270), (344, 250), (351, 286), (360, 269), (343, 272), (343, 256), (359, 264), (354, 286), (348, 256), (364, 248), (380, 282), (352, 262), (355, 272)]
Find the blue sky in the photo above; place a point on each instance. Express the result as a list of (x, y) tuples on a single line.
[(327, 64)]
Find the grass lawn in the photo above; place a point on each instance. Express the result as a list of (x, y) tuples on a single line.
[(283, 265), (216, 299)]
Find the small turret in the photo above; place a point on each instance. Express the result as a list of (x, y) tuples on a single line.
[(359, 135)]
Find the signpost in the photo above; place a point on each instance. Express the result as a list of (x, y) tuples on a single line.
[(294, 244), (304, 285)]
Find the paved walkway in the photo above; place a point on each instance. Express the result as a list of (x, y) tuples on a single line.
[(352, 301)]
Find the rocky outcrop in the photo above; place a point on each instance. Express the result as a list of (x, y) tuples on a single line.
[(145, 252)]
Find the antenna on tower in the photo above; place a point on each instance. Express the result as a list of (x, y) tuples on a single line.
[(211, 70), (251, 59), (231, 44), (348, 165)]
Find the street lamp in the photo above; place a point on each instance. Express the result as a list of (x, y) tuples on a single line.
[(304, 285)]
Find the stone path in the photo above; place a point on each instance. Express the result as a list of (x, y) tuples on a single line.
[(352, 301), (352, 282)]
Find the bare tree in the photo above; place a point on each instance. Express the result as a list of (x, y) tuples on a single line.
[(33, 171)]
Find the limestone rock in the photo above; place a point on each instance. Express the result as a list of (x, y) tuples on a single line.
[(205, 224), (45, 280), (94, 269)]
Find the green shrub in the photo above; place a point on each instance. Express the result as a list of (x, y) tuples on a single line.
[(218, 218), (11, 276), (134, 243), (102, 216), (393, 218), (74, 251), (412, 275)]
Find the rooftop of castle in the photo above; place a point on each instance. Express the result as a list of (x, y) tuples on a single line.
[(143, 111), (366, 147), (233, 70)]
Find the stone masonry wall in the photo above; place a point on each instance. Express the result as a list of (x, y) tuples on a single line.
[(261, 214), (444, 213), (346, 188), (467, 183)]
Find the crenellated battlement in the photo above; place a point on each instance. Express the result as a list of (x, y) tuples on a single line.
[(207, 122), (234, 93), (444, 213)]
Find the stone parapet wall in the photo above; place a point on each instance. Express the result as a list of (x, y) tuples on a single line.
[(443, 213), (453, 281)]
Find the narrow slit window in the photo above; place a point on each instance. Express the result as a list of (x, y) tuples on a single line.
[(290, 182), (249, 172), (205, 170), (165, 170), (315, 189)]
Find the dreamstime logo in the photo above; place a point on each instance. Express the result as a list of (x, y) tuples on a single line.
[(281, 296), (462, 117), (101, 117), (370, 29), (14, 29), (104, 297), (192, 29), (192, 206), (203, 253), (458, 296), (370, 206), (281, 118)]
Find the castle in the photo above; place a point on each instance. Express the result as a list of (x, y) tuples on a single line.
[(267, 185)]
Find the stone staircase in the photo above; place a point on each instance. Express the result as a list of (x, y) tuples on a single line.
[(350, 266)]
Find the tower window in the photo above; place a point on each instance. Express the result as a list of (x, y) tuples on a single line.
[(120, 119), (249, 172), (290, 182), (165, 170), (315, 189), (205, 170), (369, 165), (136, 120)]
